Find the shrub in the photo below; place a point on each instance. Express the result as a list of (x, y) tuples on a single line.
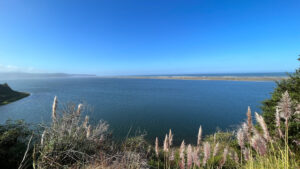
[(70, 139), (14, 136), (292, 86)]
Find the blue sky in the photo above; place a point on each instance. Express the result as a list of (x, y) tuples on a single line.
[(119, 37)]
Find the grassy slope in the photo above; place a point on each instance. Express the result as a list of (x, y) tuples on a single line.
[(7, 95)]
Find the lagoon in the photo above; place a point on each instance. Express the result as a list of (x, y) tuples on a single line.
[(151, 105)]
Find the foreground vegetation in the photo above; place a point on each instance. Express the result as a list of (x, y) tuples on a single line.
[(70, 141), (7, 95)]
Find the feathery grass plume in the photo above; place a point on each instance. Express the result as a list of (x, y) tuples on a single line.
[(43, 137), (297, 109), (246, 153), (54, 107), (199, 136), (79, 108), (172, 156), (249, 118), (236, 157), (223, 161), (216, 149), (259, 144), (196, 159), (89, 131), (170, 138), (86, 121), (263, 125), (240, 138), (166, 146), (189, 156), (278, 122), (284, 106), (215, 138), (246, 131), (156, 147), (206, 149), (255, 132), (181, 155)]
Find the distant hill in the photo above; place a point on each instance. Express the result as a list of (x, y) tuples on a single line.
[(22, 75), (7, 95)]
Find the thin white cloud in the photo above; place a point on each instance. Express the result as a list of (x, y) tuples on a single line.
[(12, 68)]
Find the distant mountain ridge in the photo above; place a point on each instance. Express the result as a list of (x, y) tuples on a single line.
[(13, 75), (7, 95)]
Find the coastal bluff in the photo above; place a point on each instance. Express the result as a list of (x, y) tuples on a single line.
[(7, 95)]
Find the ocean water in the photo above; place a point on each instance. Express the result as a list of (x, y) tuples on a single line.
[(146, 105)]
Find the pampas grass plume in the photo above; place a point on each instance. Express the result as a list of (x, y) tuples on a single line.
[(216, 149), (170, 138), (199, 136), (181, 155), (189, 156), (206, 149), (240, 138), (263, 125), (156, 147), (54, 107), (79, 108), (166, 142)]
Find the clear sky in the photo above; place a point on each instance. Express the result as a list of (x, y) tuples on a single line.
[(120, 37)]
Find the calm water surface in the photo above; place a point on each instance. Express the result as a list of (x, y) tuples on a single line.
[(152, 105)]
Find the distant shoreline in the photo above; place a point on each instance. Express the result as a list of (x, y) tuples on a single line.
[(226, 78)]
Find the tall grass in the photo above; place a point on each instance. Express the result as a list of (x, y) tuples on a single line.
[(71, 141), (256, 146)]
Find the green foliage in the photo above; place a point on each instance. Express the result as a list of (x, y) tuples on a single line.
[(136, 144), (14, 137), (292, 85), (274, 159)]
